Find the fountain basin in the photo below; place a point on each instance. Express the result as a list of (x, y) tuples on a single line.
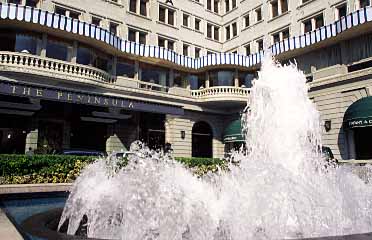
[(44, 225)]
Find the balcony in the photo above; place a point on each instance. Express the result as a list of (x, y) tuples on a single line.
[(221, 93), (32, 64), (24, 63)]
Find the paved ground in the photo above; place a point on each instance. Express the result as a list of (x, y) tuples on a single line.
[(7, 229)]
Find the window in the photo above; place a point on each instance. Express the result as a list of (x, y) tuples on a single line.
[(58, 49), (307, 26), (233, 4), (165, 43), (18, 42), (60, 11), (15, 1), (285, 34), (209, 4), (274, 9), (247, 49), (197, 52), (227, 5), (259, 45), (125, 68), (215, 9), (131, 35), (197, 24), (161, 42), (31, 3), (74, 15), (164, 13), (170, 45), (209, 30), (185, 21), (258, 12), (216, 34), (170, 17), (280, 36), (114, 28), (341, 11), (137, 36), (221, 78), (284, 6), (234, 29), (319, 22), (96, 21), (142, 38), (133, 5), (227, 30), (185, 50), (154, 74), (313, 23), (363, 3), (276, 37), (246, 20), (143, 7)]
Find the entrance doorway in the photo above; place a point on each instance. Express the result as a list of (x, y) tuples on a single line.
[(152, 130), (202, 137), (13, 131), (363, 143)]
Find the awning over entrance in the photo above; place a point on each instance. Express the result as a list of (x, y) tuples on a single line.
[(233, 132), (359, 114)]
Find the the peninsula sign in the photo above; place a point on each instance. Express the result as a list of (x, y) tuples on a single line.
[(88, 98)]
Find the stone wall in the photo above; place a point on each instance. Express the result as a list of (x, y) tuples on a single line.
[(183, 147)]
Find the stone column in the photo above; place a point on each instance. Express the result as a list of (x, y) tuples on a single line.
[(171, 78), (32, 136), (44, 42), (207, 79), (136, 71), (236, 78), (74, 52)]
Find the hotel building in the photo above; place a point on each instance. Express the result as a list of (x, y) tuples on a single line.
[(99, 74)]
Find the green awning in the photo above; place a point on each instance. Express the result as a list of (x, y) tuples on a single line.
[(359, 114), (233, 132)]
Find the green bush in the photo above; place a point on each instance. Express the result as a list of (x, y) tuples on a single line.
[(41, 168), (23, 169), (201, 166)]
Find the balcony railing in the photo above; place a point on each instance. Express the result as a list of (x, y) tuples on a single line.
[(222, 91), (27, 63)]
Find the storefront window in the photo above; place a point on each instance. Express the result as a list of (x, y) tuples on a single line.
[(180, 79), (153, 74), (196, 81), (246, 78), (91, 57), (125, 68), (221, 78), (18, 42), (58, 49)]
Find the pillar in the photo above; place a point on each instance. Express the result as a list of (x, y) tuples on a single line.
[(171, 78), (32, 136), (44, 42), (207, 79), (136, 71), (236, 78), (74, 52)]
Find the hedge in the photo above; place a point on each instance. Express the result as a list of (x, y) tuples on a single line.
[(41, 168), (23, 169)]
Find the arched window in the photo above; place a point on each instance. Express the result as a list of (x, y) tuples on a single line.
[(202, 137)]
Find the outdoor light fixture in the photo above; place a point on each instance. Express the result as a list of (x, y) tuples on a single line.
[(183, 134), (327, 125)]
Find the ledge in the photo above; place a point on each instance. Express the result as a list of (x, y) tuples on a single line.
[(34, 188)]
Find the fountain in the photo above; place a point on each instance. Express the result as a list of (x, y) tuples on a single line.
[(282, 188)]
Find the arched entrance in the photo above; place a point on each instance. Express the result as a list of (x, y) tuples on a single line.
[(202, 137)]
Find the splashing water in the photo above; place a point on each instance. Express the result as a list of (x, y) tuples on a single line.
[(282, 187)]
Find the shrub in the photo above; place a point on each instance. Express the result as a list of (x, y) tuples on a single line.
[(21, 169)]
